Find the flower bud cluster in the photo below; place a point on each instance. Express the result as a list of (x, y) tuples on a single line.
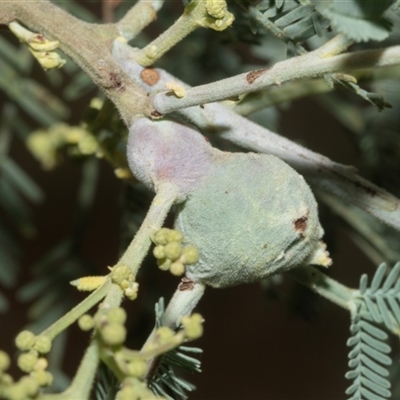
[(193, 325), (45, 144), (109, 323), (171, 254), (27, 341), (39, 46), (30, 362), (122, 276)]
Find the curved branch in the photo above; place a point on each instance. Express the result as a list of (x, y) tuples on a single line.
[(311, 65)]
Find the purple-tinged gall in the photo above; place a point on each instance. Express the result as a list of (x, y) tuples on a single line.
[(167, 152)]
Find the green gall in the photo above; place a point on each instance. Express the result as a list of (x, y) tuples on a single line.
[(25, 340), (136, 368), (173, 250), (120, 273), (30, 385), (86, 322), (190, 255), (42, 344), (164, 264), (177, 269), (253, 216), (4, 361), (159, 252), (43, 378), (116, 315), (113, 334), (26, 361), (193, 326)]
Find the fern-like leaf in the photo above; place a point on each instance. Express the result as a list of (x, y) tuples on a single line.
[(378, 303), (359, 20), (291, 21), (368, 361), (381, 300)]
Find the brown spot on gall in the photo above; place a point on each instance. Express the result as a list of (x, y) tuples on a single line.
[(253, 75), (150, 76), (186, 284), (155, 114), (300, 224)]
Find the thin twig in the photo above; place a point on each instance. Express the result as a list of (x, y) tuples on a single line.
[(307, 66), (71, 316), (322, 284), (154, 220), (138, 17)]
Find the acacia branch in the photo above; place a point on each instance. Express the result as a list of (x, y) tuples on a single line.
[(321, 172), (310, 65), (88, 45)]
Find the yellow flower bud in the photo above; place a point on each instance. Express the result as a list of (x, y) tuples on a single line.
[(137, 368), (30, 385), (25, 340), (177, 269), (116, 315), (86, 322), (190, 255), (4, 361), (26, 361), (161, 236), (120, 273), (173, 250), (193, 326), (42, 344), (159, 252), (113, 334), (164, 333), (164, 264), (43, 378)]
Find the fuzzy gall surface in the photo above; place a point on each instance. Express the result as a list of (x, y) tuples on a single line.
[(251, 216)]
